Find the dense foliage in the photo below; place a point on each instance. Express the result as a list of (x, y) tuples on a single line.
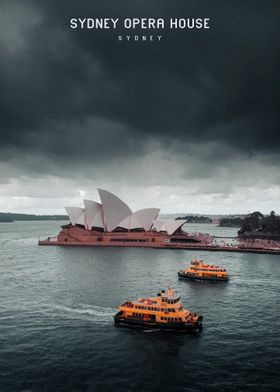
[(231, 222), (259, 226), (195, 219)]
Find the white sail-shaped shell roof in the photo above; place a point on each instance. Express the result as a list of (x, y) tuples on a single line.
[(113, 213), (130, 223), (76, 215), (114, 209), (141, 219), (158, 225), (82, 219), (146, 216), (168, 225), (94, 214)]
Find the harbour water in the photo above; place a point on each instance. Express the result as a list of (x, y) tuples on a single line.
[(57, 332)]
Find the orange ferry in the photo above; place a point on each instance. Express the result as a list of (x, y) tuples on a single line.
[(165, 311), (200, 271)]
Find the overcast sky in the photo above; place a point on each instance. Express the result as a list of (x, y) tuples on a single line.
[(187, 124)]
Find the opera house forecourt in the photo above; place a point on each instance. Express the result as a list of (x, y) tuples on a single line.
[(113, 223)]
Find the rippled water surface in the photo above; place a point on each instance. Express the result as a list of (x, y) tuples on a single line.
[(57, 332)]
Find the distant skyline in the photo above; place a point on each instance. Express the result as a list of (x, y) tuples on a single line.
[(188, 124)]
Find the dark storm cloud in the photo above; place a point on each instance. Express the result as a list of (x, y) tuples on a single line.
[(81, 96)]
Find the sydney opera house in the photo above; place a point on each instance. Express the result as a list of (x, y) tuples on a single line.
[(112, 223)]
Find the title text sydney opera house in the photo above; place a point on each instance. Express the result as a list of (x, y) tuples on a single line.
[(113, 223)]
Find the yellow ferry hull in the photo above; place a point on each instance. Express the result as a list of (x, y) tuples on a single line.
[(171, 326), (207, 278)]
